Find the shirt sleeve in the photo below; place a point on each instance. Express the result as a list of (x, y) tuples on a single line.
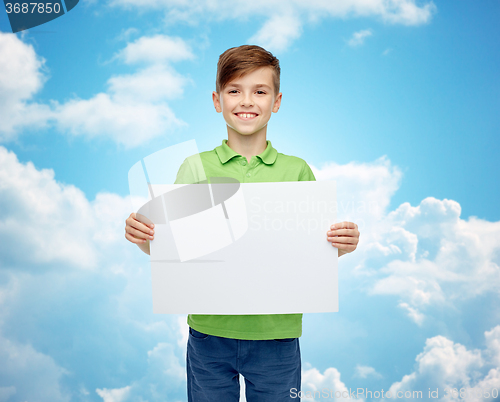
[(306, 174), (191, 171), (185, 174)]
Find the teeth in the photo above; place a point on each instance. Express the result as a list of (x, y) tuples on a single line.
[(246, 115)]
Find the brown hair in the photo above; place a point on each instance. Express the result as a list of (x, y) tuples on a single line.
[(238, 61)]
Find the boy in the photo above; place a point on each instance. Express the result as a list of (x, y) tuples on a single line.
[(263, 348)]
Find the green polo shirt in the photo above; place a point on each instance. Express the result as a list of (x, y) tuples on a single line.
[(269, 166)]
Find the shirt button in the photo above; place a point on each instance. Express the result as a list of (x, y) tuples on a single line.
[(249, 174), (243, 163)]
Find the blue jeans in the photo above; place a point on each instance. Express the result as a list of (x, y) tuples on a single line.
[(271, 368)]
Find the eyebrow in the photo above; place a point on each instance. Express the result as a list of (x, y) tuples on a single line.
[(256, 85)]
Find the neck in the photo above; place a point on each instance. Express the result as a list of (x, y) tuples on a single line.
[(247, 145)]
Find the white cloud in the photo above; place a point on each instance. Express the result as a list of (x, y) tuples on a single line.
[(405, 12), (358, 38), (114, 395), (59, 224), (283, 20), (327, 386), (152, 84), (446, 364), (29, 375), (132, 111), (425, 255), (126, 33), (21, 77), (278, 32), (493, 344), (20, 66), (131, 123), (156, 49), (183, 328), (164, 379), (488, 389), (97, 321), (440, 257), (442, 364), (413, 313), (55, 219), (366, 371), (364, 190)]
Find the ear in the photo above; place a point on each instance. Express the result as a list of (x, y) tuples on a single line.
[(216, 100), (277, 102)]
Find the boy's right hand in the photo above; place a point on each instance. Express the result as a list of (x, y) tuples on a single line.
[(136, 231)]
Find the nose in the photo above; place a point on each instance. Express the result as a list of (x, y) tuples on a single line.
[(246, 100)]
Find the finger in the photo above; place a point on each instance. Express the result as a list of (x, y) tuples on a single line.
[(134, 218), (343, 225), (139, 226), (343, 240), (133, 239), (137, 233), (343, 232)]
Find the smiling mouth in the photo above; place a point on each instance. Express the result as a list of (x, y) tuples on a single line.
[(246, 116)]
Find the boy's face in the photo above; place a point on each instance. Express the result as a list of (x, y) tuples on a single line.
[(247, 102)]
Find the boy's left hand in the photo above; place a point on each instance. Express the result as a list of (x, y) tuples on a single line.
[(348, 237)]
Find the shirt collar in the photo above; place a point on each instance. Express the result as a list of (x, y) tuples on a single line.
[(225, 153)]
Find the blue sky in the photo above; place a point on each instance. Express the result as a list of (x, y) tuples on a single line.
[(397, 102)]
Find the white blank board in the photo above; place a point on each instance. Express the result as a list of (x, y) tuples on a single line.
[(270, 254)]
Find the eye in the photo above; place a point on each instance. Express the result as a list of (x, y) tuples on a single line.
[(261, 92), (232, 91)]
